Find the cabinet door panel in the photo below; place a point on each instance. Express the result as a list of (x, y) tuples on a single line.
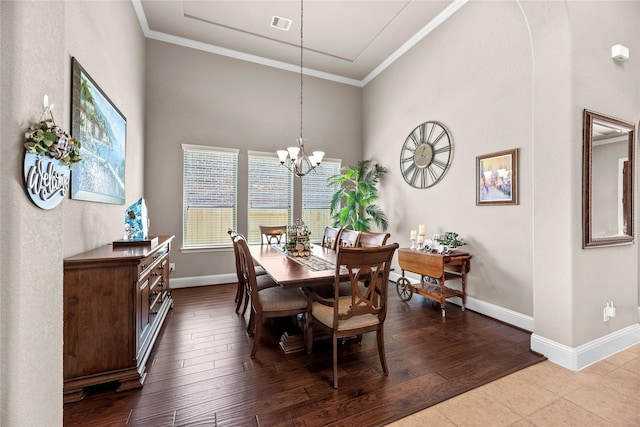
[(97, 309)]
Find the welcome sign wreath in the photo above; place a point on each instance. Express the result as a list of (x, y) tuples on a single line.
[(50, 152)]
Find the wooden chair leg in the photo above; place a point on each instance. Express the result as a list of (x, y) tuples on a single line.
[(383, 357), (238, 292), (246, 303), (251, 324), (335, 360), (256, 337), (308, 335), (239, 298)]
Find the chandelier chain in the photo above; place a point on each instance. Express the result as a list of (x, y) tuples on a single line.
[(301, 57), (294, 158)]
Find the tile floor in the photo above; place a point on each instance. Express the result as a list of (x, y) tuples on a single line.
[(606, 393)]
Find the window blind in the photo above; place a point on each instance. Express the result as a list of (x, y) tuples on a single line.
[(316, 197), (209, 201), (270, 193)]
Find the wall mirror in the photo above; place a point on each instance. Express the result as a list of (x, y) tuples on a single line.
[(607, 180)]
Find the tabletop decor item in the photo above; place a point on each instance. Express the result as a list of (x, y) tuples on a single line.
[(448, 242), (50, 152), (298, 239), (136, 226)]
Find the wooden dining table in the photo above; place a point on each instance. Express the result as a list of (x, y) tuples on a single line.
[(294, 272)]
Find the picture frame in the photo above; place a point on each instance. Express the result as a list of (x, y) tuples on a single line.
[(497, 178), (102, 130)]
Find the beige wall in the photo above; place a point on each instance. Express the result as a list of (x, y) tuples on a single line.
[(194, 97), (36, 60), (477, 82), (604, 86), (517, 76)]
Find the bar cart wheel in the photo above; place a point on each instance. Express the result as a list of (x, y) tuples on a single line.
[(404, 289)]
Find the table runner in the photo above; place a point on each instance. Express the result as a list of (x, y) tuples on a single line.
[(312, 262)]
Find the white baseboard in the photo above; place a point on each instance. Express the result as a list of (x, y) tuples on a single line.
[(214, 279), (587, 354), (514, 318)]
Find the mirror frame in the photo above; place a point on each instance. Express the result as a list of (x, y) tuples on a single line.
[(588, 240)]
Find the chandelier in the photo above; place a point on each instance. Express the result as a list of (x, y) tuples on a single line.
[(294, 158)]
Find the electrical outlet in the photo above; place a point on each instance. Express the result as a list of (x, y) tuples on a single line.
[(172, 266), (609, 311)]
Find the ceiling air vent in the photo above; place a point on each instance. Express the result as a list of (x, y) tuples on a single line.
[(281, 23)]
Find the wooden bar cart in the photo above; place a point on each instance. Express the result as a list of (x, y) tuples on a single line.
[(435, 270)]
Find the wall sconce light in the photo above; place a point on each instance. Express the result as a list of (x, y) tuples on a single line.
[(620, 53)]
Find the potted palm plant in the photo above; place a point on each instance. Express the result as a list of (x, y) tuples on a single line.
[(352, 204)]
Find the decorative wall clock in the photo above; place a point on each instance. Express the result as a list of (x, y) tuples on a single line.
[(426, 155)]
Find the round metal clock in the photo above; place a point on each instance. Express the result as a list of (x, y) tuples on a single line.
[(426, 155)]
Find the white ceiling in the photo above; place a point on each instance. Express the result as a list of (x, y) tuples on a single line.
[(349, 41)]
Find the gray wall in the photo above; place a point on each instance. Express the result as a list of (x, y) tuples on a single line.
[(36, 60), (194, 97)]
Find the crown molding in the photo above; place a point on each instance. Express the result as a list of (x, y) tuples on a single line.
[(206, 47)]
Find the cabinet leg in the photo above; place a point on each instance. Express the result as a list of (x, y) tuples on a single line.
[(74, 395), (132, 384)]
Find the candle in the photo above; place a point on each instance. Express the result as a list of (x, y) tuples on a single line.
[(413, 234), (421, 229), (420, 238)]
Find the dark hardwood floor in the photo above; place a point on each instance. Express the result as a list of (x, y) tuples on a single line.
[(201, 373)]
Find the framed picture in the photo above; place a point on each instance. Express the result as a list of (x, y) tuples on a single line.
[(102, 131), (497, 178)]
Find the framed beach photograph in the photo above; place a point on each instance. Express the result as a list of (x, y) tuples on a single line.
[(102, 131), (497, 178)]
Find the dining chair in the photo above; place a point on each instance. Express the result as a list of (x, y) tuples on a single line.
[(270, 302), (242, 292), (348, 238), (368, 239), (272, 233), (330, 237), (240, 289), (361, 312)]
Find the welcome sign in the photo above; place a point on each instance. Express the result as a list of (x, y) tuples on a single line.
[(46, 180)]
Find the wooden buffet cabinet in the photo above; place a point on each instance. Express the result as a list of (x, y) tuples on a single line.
[(116, 299)]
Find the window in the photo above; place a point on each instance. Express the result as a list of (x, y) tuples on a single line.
[(209, 195), (316, 197), (270, 194)]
